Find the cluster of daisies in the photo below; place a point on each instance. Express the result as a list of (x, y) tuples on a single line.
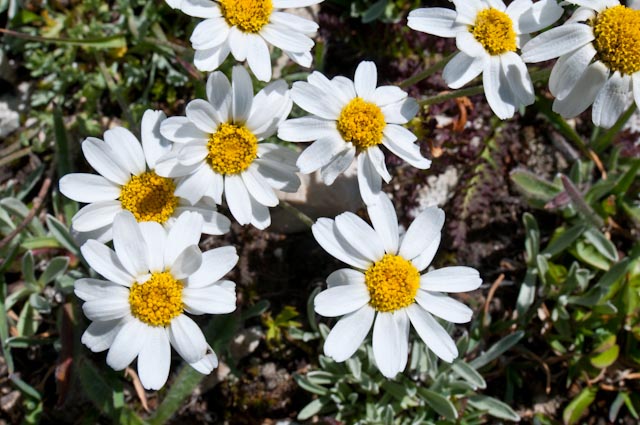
[(153, 199)]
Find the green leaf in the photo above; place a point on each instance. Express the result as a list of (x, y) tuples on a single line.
[(186, 381), (55, 268), (442, 405), (532, 239), (4, 326), (27, 323), (28, 273), (602, 244), (62, 235), (494, 407), (579, 405), (40, 303), (562, 241), (375, 11), (306, 385), (469, 374), (533, 187), (26, 389), (313, 408), (626, 180), (606, 358), (579, 203), (590, 255), (496, 350)]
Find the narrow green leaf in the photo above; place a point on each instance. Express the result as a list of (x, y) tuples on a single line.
[(615, 407), (579, 406), (55, 268), (442, 405), (26, 389), (626, 180), (562, 241), (527, 294), (62, 235), (579, 203), (4, 326), (469, 374), (494, 407), (28, 273), (374, 12), (306, 385), (602, 244), (27, 324), (496, 350), (532, 240), (533, 187), (606, 358), (313, 408)]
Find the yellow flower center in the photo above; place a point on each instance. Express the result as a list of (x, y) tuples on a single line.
[(158, 300), (149, 197), (232, 149), (494, 30), (247, 15), (392, 282), (617, 32), (361, 123)]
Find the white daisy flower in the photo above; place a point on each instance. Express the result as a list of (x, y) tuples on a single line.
[(154, 276), (351, 119), (386, 289), (219, 147), (128, 181), (245, 28), (599, 51), (488, 34)]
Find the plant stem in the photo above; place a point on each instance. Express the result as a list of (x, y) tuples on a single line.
[(299, 214), (601, 143), (426, 73)]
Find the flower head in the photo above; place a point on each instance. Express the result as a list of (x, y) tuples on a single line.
[(245, 28), (128, 181), (599, 51), (352, 119), (219, 148), (385, 288), (488, 34), (153, 278)]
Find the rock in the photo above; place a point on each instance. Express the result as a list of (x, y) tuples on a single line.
[(437, 191)]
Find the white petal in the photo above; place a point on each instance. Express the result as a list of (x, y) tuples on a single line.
[(238, 199), (212, 299), (242, 94), (192, 153), (102, 158), (451, 279), (360, 236), (209, 33), (187, 262), (347, 335), (584, 92), (542, 14), (260, 216), (467, 10), (200, 8), (369, 181), (461, 69), (184, 233), (313, 100), (88, 188), (329, 239), (127, 344), (303, 59), (214, 222), (286, 39), (187, 339), (597, 5), (194, 186), (219, 95), (127, 148), (434, 20), (294, 22), (238, 43), (153, 144), (568, 70), (100, 335), (88, 289), (203, 115), (556, 42), (129, 244), (345, 91), (215, 264), (400, 112), (341, 300), (181, 130), (258, 187), (338, 165), (211, 59), (306, 129), (424, 229), (345, 277), (391, 342), (399, 140), (497, 90), (468, 45), (96, 215), (271, 106), (105, 262), (279, 177), (614, 98), (114, 306), (444, 307), (423, 260), (635, 82), (206, 365), (432, 333), (385, 222), (286, 4), (154, 359), (387, 95), (518, 78), (258, 57), (155, 238), (319, 154), (365, 80), (376, 157)]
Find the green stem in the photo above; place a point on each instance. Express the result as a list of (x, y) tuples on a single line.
[(110, 42), (113, 88), (427, 72), (559, 123), (299, 214)]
